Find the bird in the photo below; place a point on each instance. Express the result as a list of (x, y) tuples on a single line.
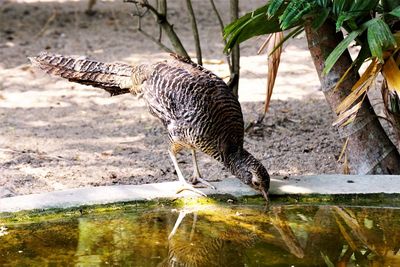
[(197, 108)]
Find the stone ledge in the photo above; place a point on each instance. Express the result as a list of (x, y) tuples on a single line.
[(296, 185), (117, 193), (335, 184)]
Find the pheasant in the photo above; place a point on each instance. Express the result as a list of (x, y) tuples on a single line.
[(196, 107)]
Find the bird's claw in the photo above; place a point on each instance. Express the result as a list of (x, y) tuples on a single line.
[(190, 188), (199, 180)]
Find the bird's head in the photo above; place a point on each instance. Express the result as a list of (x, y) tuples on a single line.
[(250, 171)]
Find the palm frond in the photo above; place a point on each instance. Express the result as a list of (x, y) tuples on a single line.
[(294, 12), (339, 6), (321, 15), (380, 38), (322, 3), (356, 10), (274, 6), (252, 24), (338, 51), (343, 45)]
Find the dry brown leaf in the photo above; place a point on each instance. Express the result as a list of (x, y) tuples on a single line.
[(346, 167), (273, 65), (264, 44), (391, 72), (343, 149), (372, 70), (341, 119), (361, 86)]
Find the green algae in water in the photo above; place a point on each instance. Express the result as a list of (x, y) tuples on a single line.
[(209, 235)]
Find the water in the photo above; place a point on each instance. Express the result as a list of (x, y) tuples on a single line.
[(211, 235)]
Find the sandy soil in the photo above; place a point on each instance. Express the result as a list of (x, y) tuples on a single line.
[(56, 135)]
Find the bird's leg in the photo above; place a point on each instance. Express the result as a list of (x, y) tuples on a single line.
[(178, 222), (185, 186), (181, 216), (196, 178), (193, 226)]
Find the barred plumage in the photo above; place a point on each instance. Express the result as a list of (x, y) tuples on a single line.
[(197, 107)]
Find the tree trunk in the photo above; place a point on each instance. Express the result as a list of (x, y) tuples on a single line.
[(369, 150)]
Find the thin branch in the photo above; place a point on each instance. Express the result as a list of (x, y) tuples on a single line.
[(157, 42), (46, 25), (221, 22), (162, 9), (146, 5), (222, 26), (166, 26), (151, 38), (195, 32)]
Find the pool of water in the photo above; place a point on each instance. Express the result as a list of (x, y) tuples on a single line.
[(207, 235)]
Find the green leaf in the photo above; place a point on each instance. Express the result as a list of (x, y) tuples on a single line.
[(380, 38), (340, 6), (395, 12), (320, 18), (342, 46), (389, 5), (374, 45), (235, 24), (362, 6), (274, 6), (250, 25), (338, 51), (322, 3), (339, 22), (355, 10), (294, 12)]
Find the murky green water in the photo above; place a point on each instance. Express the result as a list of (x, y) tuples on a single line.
[(211, 235)]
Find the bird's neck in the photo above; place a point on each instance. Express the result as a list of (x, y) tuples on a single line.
[(237, 161)]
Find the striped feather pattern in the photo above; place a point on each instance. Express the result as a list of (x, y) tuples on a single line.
[(116, 78), (196, 106)]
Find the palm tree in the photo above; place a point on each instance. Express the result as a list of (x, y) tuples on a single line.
[(374, 26)]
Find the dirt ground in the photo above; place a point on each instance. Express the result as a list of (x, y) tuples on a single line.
[(56, 135)]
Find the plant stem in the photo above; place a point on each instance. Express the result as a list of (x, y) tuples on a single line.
[(195, 32)]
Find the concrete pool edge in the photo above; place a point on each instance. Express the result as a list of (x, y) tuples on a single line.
[(297, 186)]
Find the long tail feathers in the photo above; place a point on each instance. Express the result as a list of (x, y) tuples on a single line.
[(115, 78)]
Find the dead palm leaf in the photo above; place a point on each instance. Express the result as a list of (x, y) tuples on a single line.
[(348, 108), (274, 49), (391, 72)]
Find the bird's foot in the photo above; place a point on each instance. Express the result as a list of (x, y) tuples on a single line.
[(190, 187), (201, 183)]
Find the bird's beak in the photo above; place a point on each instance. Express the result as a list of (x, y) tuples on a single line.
[(265, 194)]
